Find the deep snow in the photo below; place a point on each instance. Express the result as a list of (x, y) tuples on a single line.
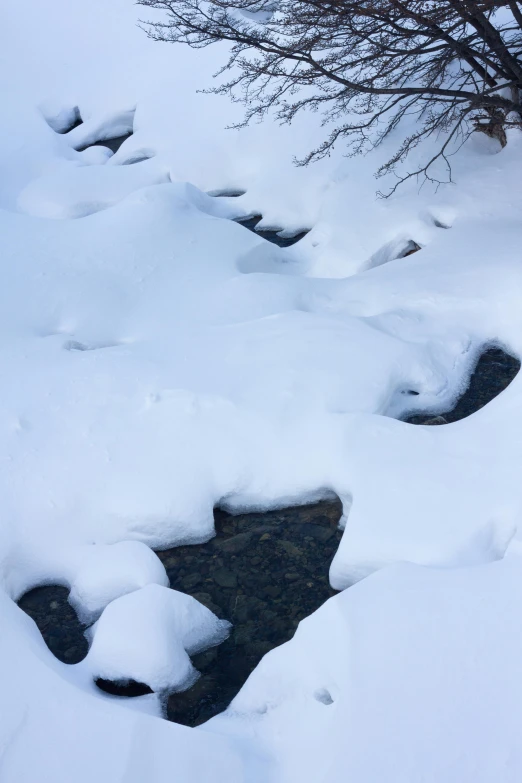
[(158, 359)]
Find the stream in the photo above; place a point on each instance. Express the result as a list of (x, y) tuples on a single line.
[(264, 572)]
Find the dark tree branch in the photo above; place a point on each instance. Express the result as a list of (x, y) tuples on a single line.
[(364, 64)]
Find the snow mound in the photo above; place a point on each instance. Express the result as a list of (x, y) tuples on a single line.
[(101, 128), (148, 635), (59, 117), (73, 191), (110, 571), (54, 722)]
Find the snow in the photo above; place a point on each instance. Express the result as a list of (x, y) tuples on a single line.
[(159, 359), (148, 635), (409, 675), (109, 572), (101, 128), (71, 191), (55, 723)]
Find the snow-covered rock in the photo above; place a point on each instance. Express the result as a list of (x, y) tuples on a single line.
[(148, 635)]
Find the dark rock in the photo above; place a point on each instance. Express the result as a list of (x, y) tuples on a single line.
[(291, 549), (235, 544), (410, 248), (190, 581), (318, 532), (247, 607), (225, 578), (272, 591)]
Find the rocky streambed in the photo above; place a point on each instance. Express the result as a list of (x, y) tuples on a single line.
[(264, 572)]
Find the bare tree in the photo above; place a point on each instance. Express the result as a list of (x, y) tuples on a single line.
[(455, 65)]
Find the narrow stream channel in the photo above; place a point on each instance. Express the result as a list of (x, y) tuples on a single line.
[(494, 371), (264, 572), (273, 235)]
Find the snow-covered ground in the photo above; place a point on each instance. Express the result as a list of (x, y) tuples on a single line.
[(158, 359)]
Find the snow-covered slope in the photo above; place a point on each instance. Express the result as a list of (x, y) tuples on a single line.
[(158, 359)]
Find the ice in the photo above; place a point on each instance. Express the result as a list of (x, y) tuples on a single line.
[(148, 635)]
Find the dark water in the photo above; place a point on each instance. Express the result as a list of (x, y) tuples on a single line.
[(493, 372), (272, 236), (252, 222), (264, 572)]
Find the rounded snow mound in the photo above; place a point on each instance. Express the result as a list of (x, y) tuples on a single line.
[(110, 571), (148, 635)]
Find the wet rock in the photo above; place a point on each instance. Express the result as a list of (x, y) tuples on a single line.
[(291, 549), (190, 581), (247, 607), (318, 532), (271, 591), (236, 544), (225, 578)]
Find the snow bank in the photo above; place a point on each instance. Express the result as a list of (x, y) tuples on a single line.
[(73, 191), (410, 675)]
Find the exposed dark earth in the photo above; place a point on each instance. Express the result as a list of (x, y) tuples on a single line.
[(264, 572)]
